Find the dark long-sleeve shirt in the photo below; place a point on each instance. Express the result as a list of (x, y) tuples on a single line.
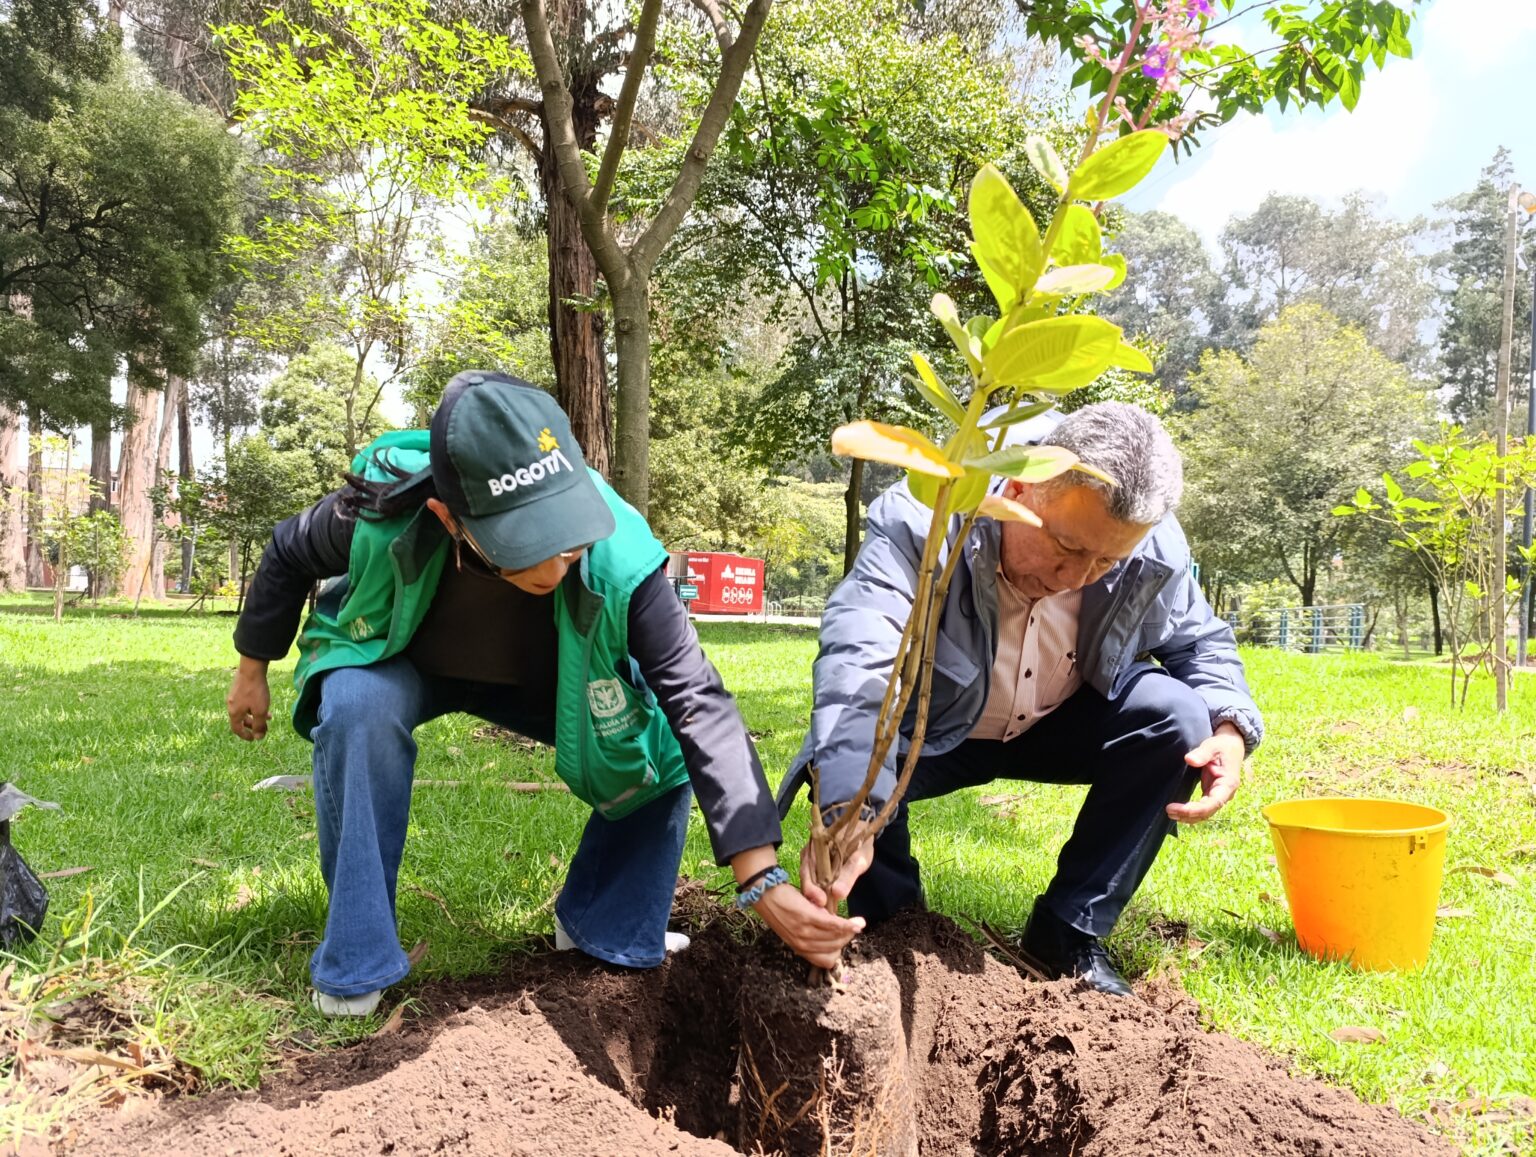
[(514, 643)]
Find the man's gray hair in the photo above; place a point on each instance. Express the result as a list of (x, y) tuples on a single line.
[(1131, 446)]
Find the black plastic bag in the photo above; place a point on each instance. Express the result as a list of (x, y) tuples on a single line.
[(23, 899)]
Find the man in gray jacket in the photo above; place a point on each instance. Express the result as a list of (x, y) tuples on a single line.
[(1081, 651)]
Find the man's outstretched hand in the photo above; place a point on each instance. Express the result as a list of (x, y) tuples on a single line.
[(1220, 760)]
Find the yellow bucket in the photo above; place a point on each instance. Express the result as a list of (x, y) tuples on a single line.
[(1362, 877)]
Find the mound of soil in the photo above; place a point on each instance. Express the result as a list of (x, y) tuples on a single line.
[(563, 1057)]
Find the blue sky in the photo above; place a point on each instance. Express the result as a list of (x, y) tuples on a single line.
[(1422, 130)]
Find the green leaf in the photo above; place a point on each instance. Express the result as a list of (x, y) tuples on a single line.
[(1079, 241), (1394, 491), (1344, 511), (1007, 241), (1025, 463), (1042, 154), (1075, 279), (893, 445), (943, 307), (1058, 354), (1128, 357), (968, 490), (1017, 414), (1473, 590), (1363, 498), (935, 392), (1118, 167)]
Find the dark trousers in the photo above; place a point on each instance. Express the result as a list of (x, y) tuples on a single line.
[(1131, 753)]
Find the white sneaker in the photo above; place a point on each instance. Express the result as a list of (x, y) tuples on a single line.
[(328, 1005), (676, 941)]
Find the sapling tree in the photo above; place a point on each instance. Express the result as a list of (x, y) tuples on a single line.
[(1039, 347), (1443, 518)]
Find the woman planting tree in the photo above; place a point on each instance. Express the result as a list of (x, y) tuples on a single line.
[(487, 571)]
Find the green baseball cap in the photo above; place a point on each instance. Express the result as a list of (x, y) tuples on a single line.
[(505, 463)]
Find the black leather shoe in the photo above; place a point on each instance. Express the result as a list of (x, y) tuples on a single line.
[(1058, 950)]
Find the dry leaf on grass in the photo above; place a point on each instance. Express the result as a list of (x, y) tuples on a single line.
[(414, 956), (1446, 912), (89, 1056), (1358, 1034), (1410, 714), (1493, 874), (1271, 935), (392, 1025), (243, 897), (1436, 1073), (64, 873)]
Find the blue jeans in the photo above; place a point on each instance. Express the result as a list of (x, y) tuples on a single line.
[(1131, 753), (618, 890)]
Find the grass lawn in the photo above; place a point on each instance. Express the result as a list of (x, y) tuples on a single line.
[(204, 899)]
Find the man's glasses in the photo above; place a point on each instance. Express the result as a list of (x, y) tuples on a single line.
[(479, 560)]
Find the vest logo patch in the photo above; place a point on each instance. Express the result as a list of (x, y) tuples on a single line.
[(359, 629), (606, 698)]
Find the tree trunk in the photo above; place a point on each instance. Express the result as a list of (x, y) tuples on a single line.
[(1434, 614), (136, 471), (13, 497), (186, 472), (632, 441), (34, 552), (853, 527), (101, 466), (175, 387), (576, 335)]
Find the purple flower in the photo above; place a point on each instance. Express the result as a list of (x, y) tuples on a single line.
[(1155, 64), (1197, 7)]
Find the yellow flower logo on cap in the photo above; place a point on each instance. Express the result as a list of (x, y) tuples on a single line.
[(547, 441)]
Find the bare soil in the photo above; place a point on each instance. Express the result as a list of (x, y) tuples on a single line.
[(564, 1057)]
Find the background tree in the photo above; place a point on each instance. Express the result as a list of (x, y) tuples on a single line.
[(1282, 436), (249, 492), (836, 200), (1472, 271), (496, 315), (1358, 266), (1442, 518), (115, 197), (627, 267), (1176, 300), (1317, 51), (304, 409), (365, 122)]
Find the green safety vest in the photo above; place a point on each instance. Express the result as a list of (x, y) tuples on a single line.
[(613, 745)]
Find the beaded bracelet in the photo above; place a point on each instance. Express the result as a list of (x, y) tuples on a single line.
[(774, 877)]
